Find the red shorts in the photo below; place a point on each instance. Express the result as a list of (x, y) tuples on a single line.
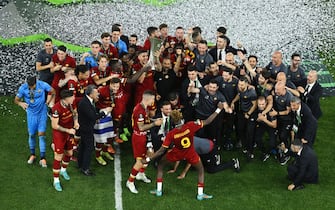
[(190, 155), (62, 141), (139, 143)]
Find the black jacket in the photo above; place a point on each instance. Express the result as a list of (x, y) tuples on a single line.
[(307, 164), (87, 116)]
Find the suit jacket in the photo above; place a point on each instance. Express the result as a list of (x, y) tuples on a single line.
[(87, 116), (312, 99), (307, 165), (214, 52), (156, 138), (308, 126)]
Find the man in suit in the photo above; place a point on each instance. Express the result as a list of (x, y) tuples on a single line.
[(87, 116), (311, 93), (158, 133), (222, 47), (304, 123), (304, 168)]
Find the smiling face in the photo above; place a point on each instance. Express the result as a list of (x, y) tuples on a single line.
[(212, 88)]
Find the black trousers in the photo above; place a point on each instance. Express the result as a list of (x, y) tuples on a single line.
[(284, 128), (86, 147), (293, 171), (246, 129), (259, 133), (228, 125), (212, 162)]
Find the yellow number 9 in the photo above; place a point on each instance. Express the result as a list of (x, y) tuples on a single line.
[(185, 142)]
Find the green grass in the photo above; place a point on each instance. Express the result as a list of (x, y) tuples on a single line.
[(258, 185), (40, 37)]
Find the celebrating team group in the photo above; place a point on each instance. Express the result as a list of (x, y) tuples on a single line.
[(177, 99)]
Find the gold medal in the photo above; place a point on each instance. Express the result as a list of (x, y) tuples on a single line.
[(166, 76), (104, 83), (32, 100), (113, 105), (82, 91)]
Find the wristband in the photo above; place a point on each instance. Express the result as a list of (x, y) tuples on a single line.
[(218, 111)]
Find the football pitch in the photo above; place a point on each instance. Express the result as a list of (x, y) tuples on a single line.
[(259, 185)]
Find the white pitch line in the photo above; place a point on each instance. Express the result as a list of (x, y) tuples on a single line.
[(118, 179)]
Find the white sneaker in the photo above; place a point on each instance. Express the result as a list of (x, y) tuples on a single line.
[(143, 177), (131, 187)]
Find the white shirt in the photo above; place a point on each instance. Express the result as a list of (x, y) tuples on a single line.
[(223, 54), (310, 86), (161, 129)]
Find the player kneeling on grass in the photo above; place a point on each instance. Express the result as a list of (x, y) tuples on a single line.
[(210, 158), (182, 139), (64, 123)]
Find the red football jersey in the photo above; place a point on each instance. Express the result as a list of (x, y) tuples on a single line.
[(105, 99), (111, 52), (147, 84), (64, 114), (182, 138), (139, 115)]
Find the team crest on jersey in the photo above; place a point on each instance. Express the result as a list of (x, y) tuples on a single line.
[(298, 75), (39, 90), (215, 98), (282, 101), (223, 86), (245, 97), (207, 97), (55, 114)]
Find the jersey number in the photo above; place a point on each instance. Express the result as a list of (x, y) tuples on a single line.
[(185, 142)]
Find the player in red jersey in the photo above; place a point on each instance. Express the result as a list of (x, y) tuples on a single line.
[(145, 81), (61, 62), (102, 73), (141, 124), (107, 48), (182, 139), (64, 123)]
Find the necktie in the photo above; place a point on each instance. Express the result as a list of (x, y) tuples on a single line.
[(166, 125), (220, 55), (298, 117)]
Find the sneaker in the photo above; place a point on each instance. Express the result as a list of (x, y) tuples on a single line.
[(107, 155), (57, 186), (204, 197), (131, 187), (143, 177), (284, 160), (236, 164), (101, 161), (265, 157), (118, 140), (110, 149), (31, 159), (157, 193), (126, 131), (124, 137), (65, 175), (43, 163), (299, 187)]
